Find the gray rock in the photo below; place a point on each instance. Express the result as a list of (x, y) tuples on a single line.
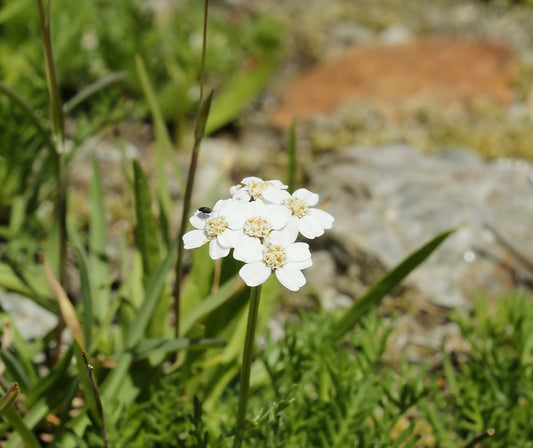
[(390, 200), (31, 320), (395, 35)]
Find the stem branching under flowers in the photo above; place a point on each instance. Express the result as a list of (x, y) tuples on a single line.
[(201, 119), (244, 385)]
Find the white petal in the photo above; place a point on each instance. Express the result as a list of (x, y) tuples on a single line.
[(324, 218), (292, 228), (248, 249), (251, 180), (279, 237), (290, 277), (278, 184), (216, 251), (307, 196), (297, 252), (255, 274), (239, 193), (219, 206), (229, 237), (257, 208), (198, 220), (310, 227), (303, 264), (237, 214), (194, 238), (278, 216), (275, 195)]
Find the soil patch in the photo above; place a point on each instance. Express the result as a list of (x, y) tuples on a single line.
[(447, 71)]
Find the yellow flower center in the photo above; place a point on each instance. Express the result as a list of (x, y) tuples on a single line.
[(275, 257), (256, 188), (297, 207), (215, 226), (257, 227)]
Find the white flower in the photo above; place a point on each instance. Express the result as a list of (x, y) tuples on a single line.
[(253, 188), (310, 222), (221, 228), (278, 254), (261, 219)]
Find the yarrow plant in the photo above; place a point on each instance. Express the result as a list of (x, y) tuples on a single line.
[(261, 222)]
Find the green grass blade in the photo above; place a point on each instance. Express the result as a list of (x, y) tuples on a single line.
[(16, 370), (151, 299), (146, 238), (25, 350), (36, 289), (164, 145), (9, 397), (54, 98), (238, 93), (210, 303), (97, 247), (203, 117), (146, 235), (31, 115), (85, 297), (42, 399), (53, 382), (148, 347), (22, 432), (85, 381), (114, 382), (93, 89), (376, 293)]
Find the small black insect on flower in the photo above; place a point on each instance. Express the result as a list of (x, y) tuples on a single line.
[(205, 211)]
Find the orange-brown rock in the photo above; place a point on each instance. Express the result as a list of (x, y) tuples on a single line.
[(452, 72)]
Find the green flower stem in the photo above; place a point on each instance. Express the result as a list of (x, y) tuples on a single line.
[(57, 121), (201, 118), (244, 386)]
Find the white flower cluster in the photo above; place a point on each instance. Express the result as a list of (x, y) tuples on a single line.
[(261, 223)]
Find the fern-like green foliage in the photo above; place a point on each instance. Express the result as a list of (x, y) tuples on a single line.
[(312, 391)]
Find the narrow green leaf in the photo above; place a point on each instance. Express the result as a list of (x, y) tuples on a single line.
[(151, 298), (37, 412), (36, 289), (202, 118), (67, 310), (43, 398), (146, 238), (56, 379), (22, 432), (164, 145), (199, 281), (25, 350), (97, 247), (85, 381), (9, 397), (54, 98), (376, 293), (146, 235), (31, 115), (93, 89), (148, 347), (16, 370), (210, 303), (116, 379), (85, 297), (238, 93), (11, 9)]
